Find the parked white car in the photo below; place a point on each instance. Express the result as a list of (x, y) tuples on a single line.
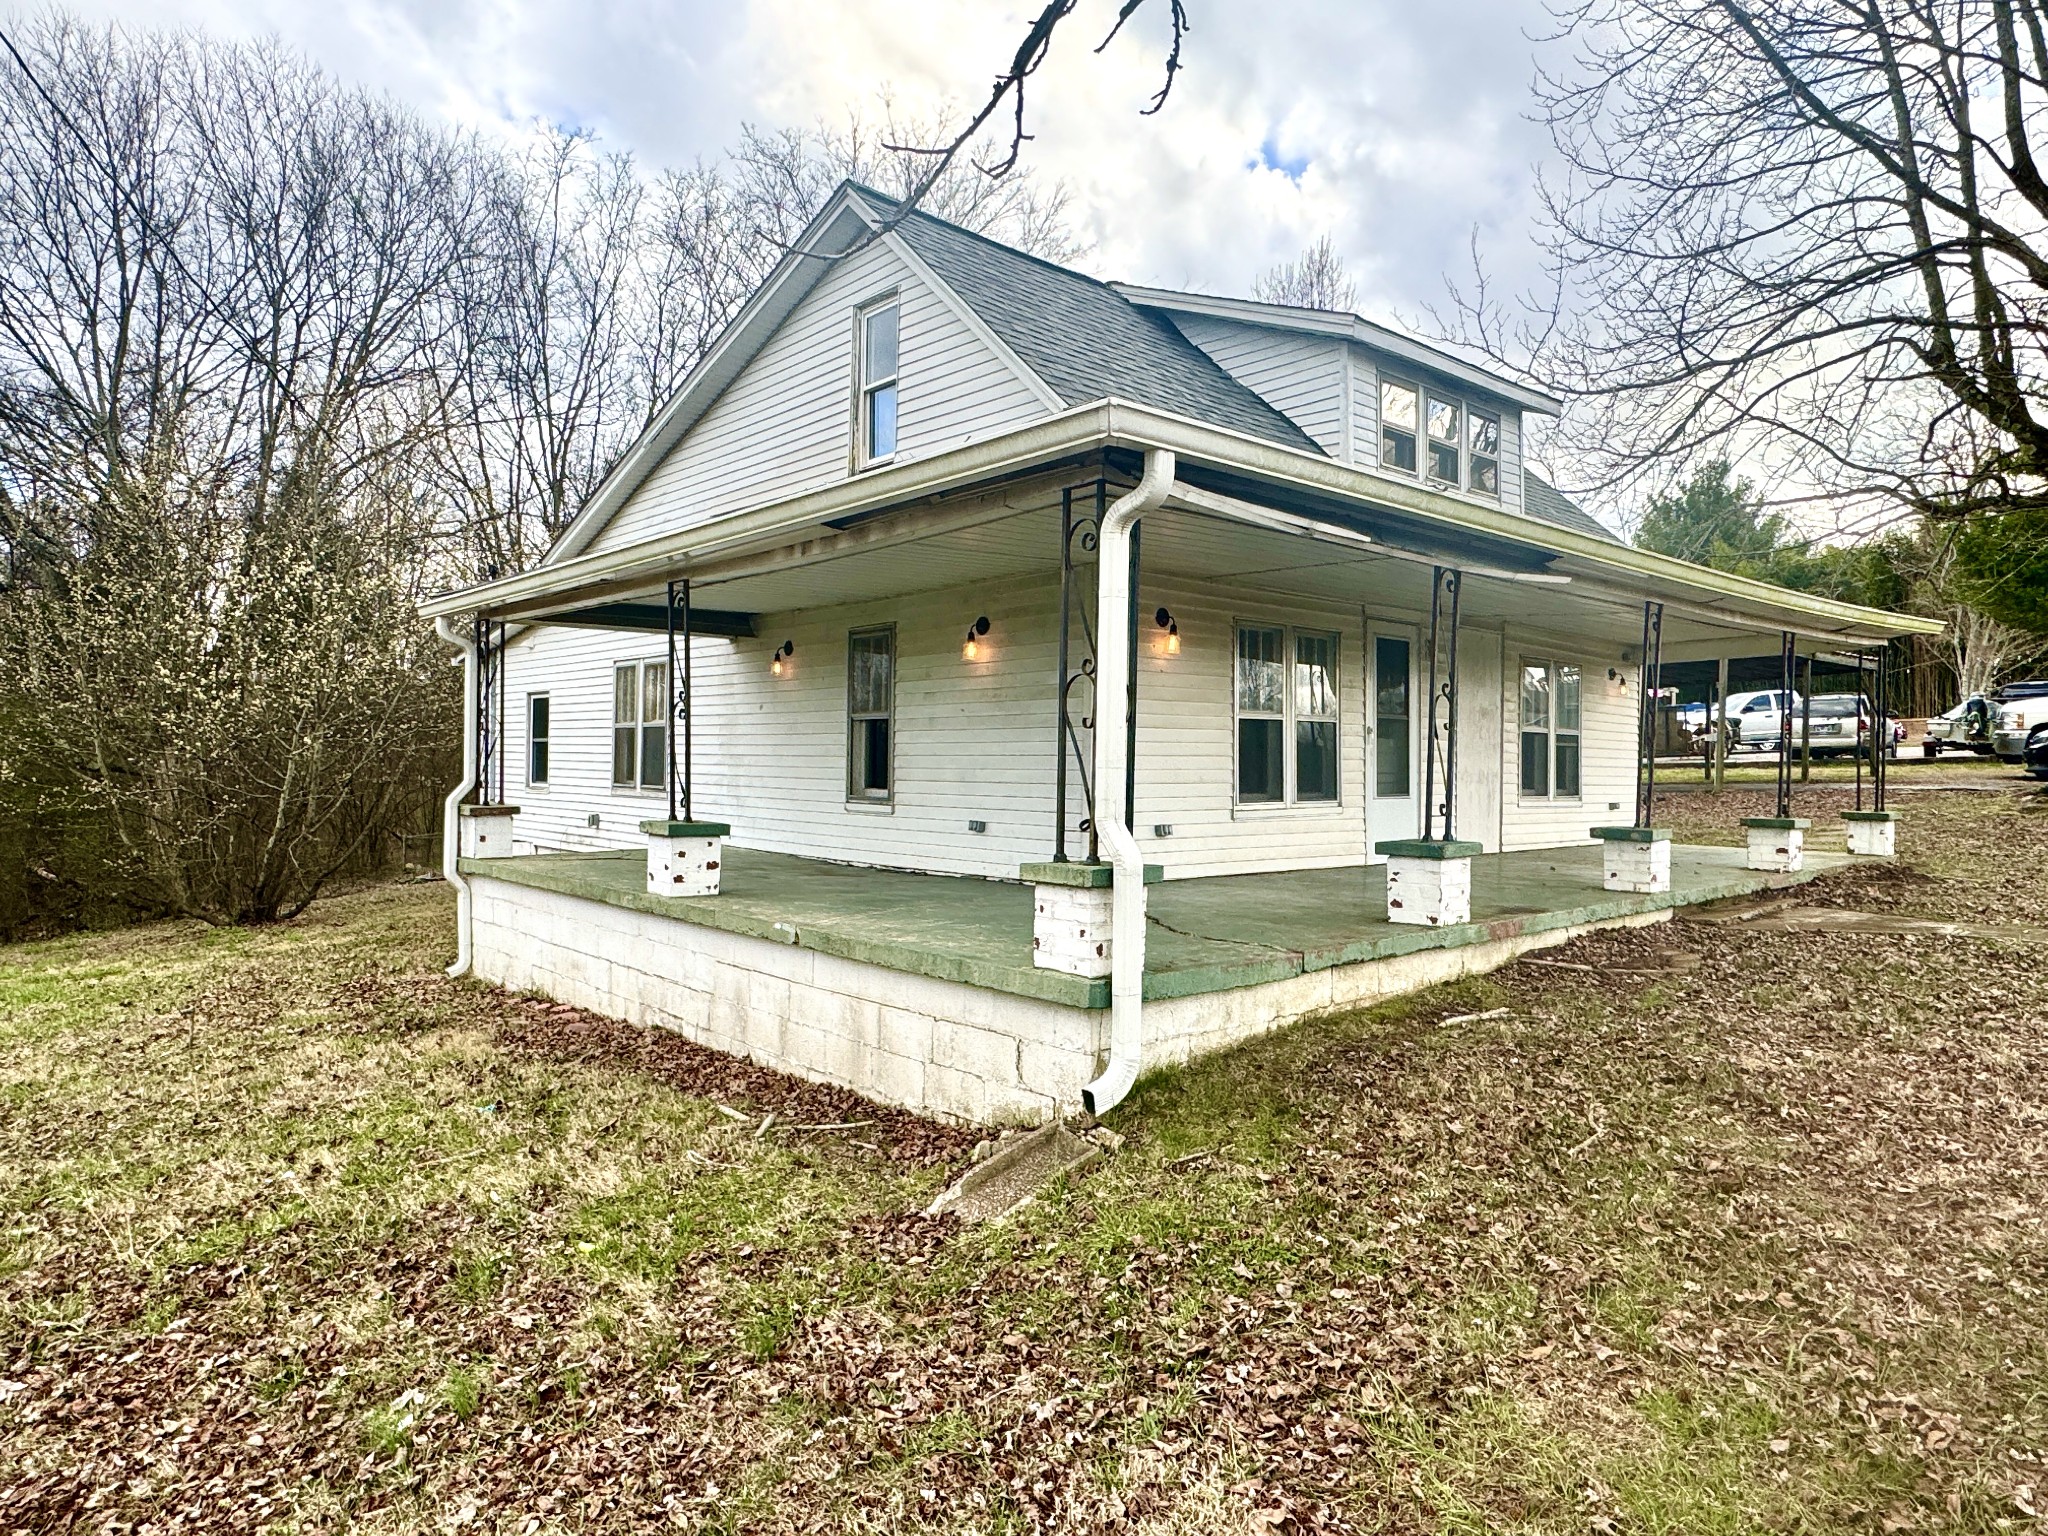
[(2022, 720), (1754, 720)]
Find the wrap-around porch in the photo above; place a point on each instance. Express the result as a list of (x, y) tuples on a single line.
[(1203, 935)]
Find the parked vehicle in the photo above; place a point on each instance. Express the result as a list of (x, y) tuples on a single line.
[(1966, 728), (1753, 719), (2022, 720), (1841, 723), (2035, 759)]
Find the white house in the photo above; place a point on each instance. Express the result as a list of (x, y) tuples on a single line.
[(877, 825)]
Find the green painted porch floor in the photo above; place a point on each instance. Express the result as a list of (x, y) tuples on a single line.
[(1205, 935)]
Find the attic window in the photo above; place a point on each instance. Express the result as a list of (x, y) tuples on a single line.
[(1398, 409), (878, 382)]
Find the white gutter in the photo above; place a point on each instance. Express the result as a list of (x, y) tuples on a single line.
[(451, 808), (1112, 722)]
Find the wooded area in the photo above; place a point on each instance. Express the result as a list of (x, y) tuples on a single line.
[(276, 357)]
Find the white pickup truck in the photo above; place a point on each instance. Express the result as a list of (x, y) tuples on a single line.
[(2020, 719)]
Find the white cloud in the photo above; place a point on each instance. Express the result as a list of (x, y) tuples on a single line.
[(1397, 128)]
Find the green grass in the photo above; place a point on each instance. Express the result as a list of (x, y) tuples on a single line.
[(294, 1233)]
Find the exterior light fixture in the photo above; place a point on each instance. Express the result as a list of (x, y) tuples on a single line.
[(782, 654), (971, 651), (1170, 643)]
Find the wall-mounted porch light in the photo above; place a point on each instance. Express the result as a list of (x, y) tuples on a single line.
[(971, 651), (782, 654), (1169, 643)]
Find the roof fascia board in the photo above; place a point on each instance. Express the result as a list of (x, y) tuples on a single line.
[(759, 318), (1139, 426), (961, 310), (1121, 423), (1066, 435), (1342, 327)]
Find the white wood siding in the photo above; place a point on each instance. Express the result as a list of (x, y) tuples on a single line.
[(1302, 377), (1608, 755), (785, 424), (975, 741)]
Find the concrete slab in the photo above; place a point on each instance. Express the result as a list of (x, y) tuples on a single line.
[(1204, 936)]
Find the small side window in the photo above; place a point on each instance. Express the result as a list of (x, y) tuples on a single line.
[(537, 734), (878, 367), (640, 725), (870, 714)]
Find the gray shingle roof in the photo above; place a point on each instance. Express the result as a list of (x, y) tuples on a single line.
[(1547, 504), (1083, 338)]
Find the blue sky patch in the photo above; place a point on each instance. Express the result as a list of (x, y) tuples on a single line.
[(1270, 158)]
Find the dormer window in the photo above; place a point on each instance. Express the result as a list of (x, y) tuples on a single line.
[(1399, 407), (1443, 441), (878, 381), (1482, 435)]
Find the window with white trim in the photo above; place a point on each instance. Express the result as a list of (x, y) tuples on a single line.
[(640, 725), (878, 367), (1287, 704), (1400, 411), (1550, 730), (537, 738), (871, 714), (1435, 435)]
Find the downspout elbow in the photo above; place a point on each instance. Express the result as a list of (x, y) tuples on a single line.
[(451, 808), (1112, 716)]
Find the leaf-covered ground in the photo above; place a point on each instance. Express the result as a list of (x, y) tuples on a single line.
[(1686, 1228)]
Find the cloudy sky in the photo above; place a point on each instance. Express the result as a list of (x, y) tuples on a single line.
[(1398, 129)]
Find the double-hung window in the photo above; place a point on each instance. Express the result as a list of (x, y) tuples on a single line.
[(1482, 439), (1443, 441), (537, 734), (1286, 715), (870, 714), (1550, 730), (640, 725), (878, 363)]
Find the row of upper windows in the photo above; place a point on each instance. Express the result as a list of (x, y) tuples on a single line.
[(1424, 432), (1439, 438)]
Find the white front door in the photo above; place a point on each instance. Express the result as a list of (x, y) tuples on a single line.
[(1393, 765)]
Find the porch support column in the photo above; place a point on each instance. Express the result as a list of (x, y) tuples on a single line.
[(1429, 878), (1787, 673), (1718, 720), (1637, 858), (684, 855), (487, 824), (1874, 833)]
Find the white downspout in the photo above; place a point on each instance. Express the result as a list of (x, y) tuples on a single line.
[(1112, 718), (451, 823)]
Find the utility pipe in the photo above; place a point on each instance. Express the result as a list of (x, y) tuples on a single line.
[(451, 808), (1112, 715)]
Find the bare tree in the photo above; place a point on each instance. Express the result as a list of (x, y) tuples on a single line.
[(1318, 280), (1806, 238)]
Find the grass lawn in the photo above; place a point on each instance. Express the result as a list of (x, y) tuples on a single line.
[(1690, 1228)]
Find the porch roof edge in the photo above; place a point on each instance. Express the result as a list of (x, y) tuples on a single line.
[(1115, 423)]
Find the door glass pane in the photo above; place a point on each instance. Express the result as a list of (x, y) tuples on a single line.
[(1260, 771), (1261, 678), (1398, 423), (1315, 760), (1392, 742)]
